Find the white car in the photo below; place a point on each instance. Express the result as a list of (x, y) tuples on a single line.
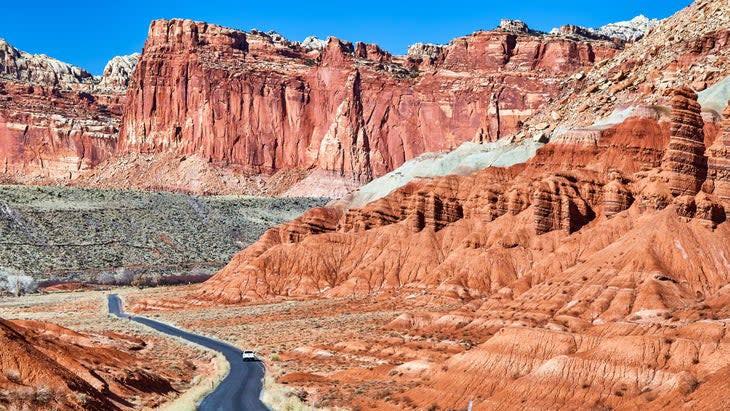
[(249, 356)]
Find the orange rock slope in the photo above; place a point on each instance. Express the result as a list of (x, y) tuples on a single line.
[(47, 367), (594, 276), (588, 287), (418, 235)]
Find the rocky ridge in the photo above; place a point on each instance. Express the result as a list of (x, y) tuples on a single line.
[(39, 68), (118, 72), (628, 31), (687, 49), (347, 104), (56, 119)]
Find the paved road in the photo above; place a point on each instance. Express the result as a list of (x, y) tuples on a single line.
[(241, 388)]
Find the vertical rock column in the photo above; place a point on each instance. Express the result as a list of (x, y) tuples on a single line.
[(616, 196), (718, 161), (684, 161)]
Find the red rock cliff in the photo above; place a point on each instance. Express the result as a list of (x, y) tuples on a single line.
[(265, 104), (56, 119), (47, 132)]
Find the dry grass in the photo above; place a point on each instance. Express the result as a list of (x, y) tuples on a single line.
[(201, 387)]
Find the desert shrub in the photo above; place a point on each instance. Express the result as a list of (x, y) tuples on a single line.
[(123, 276), (13, 376), (82, 398), (43, 395), (105, 278), (15, 282)]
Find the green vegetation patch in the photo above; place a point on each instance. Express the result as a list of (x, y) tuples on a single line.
[(89, 234)]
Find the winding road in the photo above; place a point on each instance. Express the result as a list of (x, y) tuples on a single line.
[(239, 390)]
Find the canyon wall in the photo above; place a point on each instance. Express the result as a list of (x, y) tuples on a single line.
[(56, 119), (333, 250), (259, 102)]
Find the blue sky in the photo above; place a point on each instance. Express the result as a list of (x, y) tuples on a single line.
[(89, 33)]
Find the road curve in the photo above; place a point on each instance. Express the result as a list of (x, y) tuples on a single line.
[(239, 390)]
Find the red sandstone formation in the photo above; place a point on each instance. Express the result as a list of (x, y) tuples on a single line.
[(265, 104), (47, 367), (684, 161), (422, 232), (49, 133), (54, 123), (616, 196), (718, 159)]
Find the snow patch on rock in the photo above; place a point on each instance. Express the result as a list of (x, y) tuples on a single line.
[(118, 71), (38, 68), (314, 43), (631, 30)]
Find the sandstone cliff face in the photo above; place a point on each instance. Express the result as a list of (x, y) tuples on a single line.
[(355, 110), (49, 133), (55, 119)]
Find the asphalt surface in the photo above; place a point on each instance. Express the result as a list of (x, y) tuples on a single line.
[(239, 390)]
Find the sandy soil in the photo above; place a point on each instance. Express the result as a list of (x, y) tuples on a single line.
[(329, 353)]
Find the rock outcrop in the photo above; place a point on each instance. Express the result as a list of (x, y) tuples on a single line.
[(314, 43), (684, 161), (354, 110), (616, 196), (513, 26), (118, 72), (631, 30), (38, 68), (427, 51), (558, 205), (56, 120), (718, 161)]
